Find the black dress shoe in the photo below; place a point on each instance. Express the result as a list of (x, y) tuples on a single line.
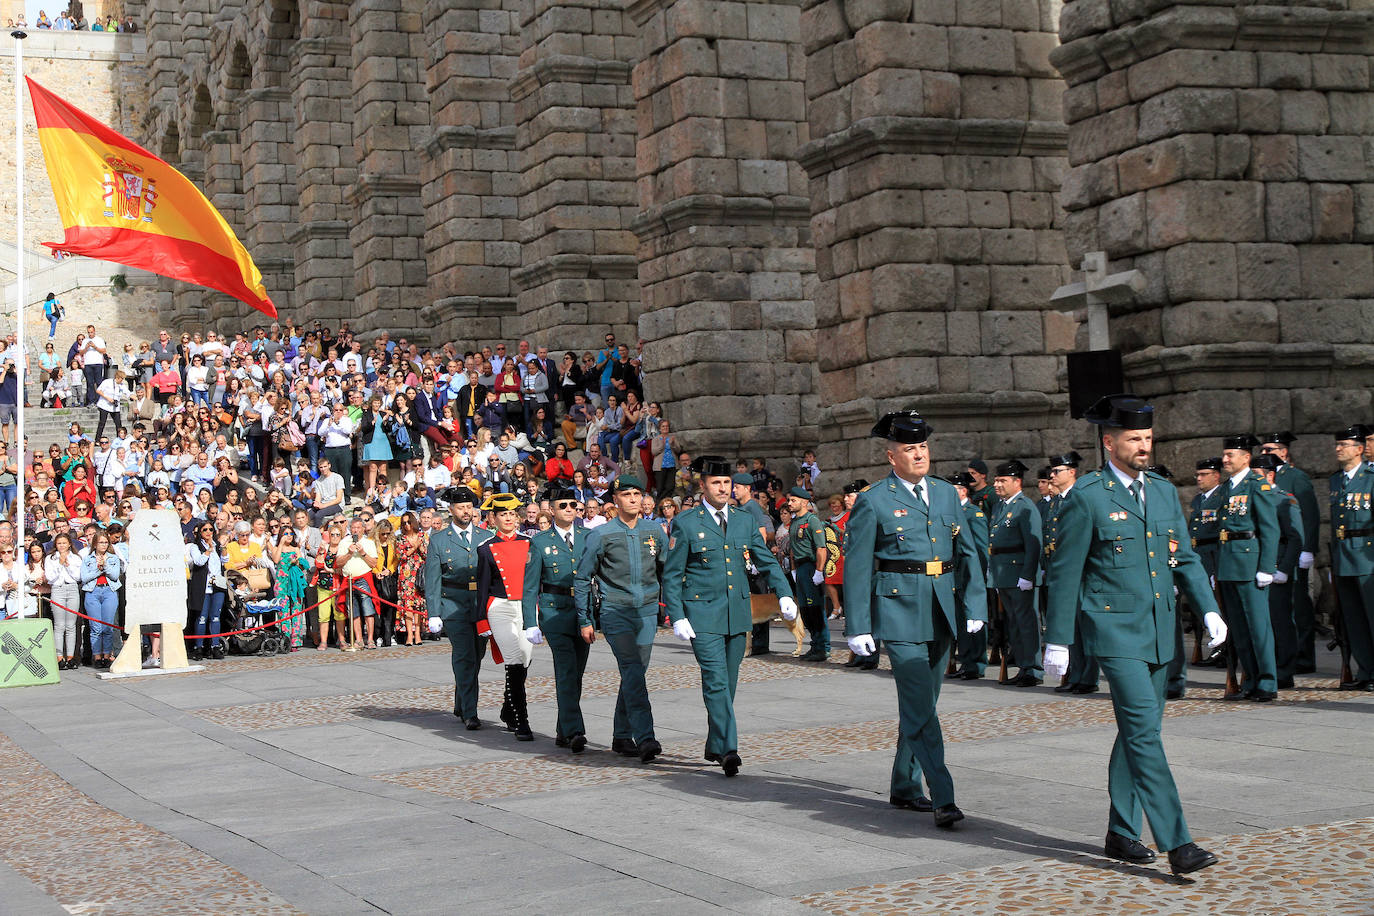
[(1173, 693), (1027, 680), (1305, 669), (1125, 849), (1353, 685), (731, 763), (1190, 857), (626, 747), (1007, 681), (217, 652), (560, 741), (855, 659), (1285, 683), (1081, 689), (948, 815), (711, 757), (920, 803), (971, 675), (869, 664), (1065, 688), (472, 723), (1263, 696), (649, 750), (815, 655), (1368, 687), (955, 675), (577, 743)]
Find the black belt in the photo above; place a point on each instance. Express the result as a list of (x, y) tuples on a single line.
[(996, 551), (1342, 533), (931, 568), (556, 590), (462, 586), (1198, 542), (1225, 535)]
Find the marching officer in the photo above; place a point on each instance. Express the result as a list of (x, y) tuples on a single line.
[(970, 648), (1120, 536), (1202, 534), (1248, 539), (1352, 550), (1013, 558), (742, 487), (903, 535), (451, 593), (706, 595), (1083, 669), (1296, 482), (1285, 573), (807, 546), (550, 615), (625, 557)]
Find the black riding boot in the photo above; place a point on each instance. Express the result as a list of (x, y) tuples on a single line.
[(507, 713), (516, 675)]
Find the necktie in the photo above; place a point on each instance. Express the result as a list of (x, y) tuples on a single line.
[(569, 538), (463, 538), (1137, 492), (720, 517)]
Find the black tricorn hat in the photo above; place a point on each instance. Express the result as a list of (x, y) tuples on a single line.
[(1359, 432), (1043, 473), (904, 426), (559, 492), (1284, 438), (1245, 442), (453, 495), (962, 479), (1068, 460), (1161, 470), (1012, 468), (855, 486), (1266, 462), (1121, 411), (712, 466), (1209, 464)]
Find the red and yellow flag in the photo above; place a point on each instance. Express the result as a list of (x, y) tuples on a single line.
[(118, 202)]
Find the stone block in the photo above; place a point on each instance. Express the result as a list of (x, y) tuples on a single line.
[(1303, 112), (1351, 113), (953, 372), (945, 208), (1110, 132), (1009, 246), (1233, 156), (960, 246), (998, 97), (1190, 323), (1185, 111), (902, 45), (1197, 271), (1061, 331), (897, 245), (1288, 211), (1258, 111), (990, 373), (1328, 409), (1340, 71), (912, 287), (1035, 373), (972, 289), (1268, 271), (988, 209), (1274, 158), (1165, 161), (1012, 332), (1023, 286), (1122, 226), (859, 13), (981, 50), (888, 92), (963, 328), (1284, 70), (1364, 212), (1333, 212), (907, 334), (1191, 67), (1326, 320), (1332, 159), (1337, 271), (1205, 211)]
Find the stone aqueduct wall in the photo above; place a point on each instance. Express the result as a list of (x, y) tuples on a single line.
[(810, 210)]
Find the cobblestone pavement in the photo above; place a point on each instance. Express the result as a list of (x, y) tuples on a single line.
[(1323, 868)]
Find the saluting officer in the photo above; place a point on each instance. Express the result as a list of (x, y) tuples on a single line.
[(1013, 559), (1083, 669), (1296, 481), (807, 546), (1352, 550), (1248, 549), (1285, 573), (451, 594), (550, 615), (625, 556), (900, 544), (706, 595), (970, 648), (1110, 586)]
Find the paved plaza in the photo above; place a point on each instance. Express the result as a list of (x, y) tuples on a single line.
[(334, 783)]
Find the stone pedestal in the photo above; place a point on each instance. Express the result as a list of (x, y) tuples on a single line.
[(726, 266), (936, 161), (1224, 151)]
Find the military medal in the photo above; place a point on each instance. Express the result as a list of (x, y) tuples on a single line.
[(900, 513), (653, 547), (548, 550), (671, 542)]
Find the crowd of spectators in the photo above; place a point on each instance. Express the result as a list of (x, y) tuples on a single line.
[(66, 22), (316, 464)]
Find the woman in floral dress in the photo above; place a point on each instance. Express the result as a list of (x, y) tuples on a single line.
[(293, 570), (411, 553)]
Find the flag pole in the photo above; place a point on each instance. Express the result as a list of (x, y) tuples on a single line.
[(19, 35)]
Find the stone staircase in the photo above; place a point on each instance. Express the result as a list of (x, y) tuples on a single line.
[(44, 427)]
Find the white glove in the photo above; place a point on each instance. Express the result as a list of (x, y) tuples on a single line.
[(1280, 577), (1056, 661), (683, 630), (817, 577), (1305, 560), (862, 645), (1263, 579), (534, 635), (1212, 580), (1216, 630), (788, 607), (1025, 584), (973, 626), (436, 624)]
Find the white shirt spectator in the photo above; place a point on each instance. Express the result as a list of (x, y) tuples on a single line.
[(93, 351), (438, 478)]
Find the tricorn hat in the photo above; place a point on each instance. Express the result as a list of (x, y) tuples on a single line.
[(904, 426), (1284, 438), (1121, 411), (855, 486), (453, 495), (1358, 433), (1068, 460), (1161, 470), (1266, 462), (1012, 468), (1245, 442), (712, 466), (1209, 464), (962, 479)]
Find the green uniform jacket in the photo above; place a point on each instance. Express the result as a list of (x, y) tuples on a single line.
[(552, 564), (451, 575), (626, 561), (1112, 570), (1202, 527), (973, 575), (805, 536), (1299, 484), (1013, 526), (889, 523), (1252, 506), (704, 577), (1290, 533), (1352, 555)]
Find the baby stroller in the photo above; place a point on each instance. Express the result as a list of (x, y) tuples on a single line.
[(247, 609)]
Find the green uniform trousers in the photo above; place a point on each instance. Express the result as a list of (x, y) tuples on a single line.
[(466, 659), (1247, 617), (1357, 609), (1285, 631), (1138, 777), (1023, 629), (971, 649), (811, 603), (1178, 666), (1304, 621), (1082, 666), (630, 634), (719, 657), (918, 668), (569, 662)]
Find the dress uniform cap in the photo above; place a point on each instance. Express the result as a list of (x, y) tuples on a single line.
[(1161, 470), (1043, 473), (1012, 468), (627, 482), (962, 479), (1068, 460), (453, 495), (1121, 411), (1244, 443), (744, 480), (502, 502), (855, 486), (1358, 433), (711, 466), (1266, 462), (1209, 464), (904, 426), (800, 493), (1284, 438)]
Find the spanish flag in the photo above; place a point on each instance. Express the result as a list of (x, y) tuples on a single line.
[(118, 202)]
